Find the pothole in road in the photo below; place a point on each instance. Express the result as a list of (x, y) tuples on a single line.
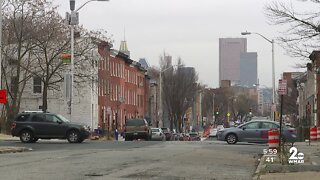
[(93, 175)]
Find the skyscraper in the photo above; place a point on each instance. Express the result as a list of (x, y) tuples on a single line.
[(230, 50), (248, 69)]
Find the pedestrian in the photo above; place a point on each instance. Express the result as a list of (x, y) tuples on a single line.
[(116, 133)]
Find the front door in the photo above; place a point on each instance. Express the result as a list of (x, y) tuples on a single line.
[(251, 132), (58, 128)]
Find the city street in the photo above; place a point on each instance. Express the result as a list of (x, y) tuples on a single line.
[(55, 159)]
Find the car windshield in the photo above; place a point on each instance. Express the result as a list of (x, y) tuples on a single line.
[(135, 122), (63, 118)]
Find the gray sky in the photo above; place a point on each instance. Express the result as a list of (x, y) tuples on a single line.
[(188, 28)]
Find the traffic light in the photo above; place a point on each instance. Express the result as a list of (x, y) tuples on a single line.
[(217, 111), (250, 111)]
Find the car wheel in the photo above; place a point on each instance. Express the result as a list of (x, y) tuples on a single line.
[(26, 136), (73, 136), (35, 140), (231, 139)]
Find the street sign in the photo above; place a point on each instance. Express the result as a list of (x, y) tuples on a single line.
[(66, 58), (282, 87), (3, 96)]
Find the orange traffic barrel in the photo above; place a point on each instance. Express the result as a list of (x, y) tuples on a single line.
[(313, 134), (273, 138)]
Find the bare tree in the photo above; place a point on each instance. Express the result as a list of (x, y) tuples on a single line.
[(302, 31), (19, 31), (35, 36), (207, 104), (179, 87)]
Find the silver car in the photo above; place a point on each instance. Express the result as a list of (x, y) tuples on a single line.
[(157, 134), (254, 131)]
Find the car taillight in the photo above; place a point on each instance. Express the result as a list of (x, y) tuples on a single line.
[(146, 128), (13, 125)]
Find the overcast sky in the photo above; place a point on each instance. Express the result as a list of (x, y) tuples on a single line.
[(188, 28)]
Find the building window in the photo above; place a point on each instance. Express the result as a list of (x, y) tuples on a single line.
[(36, 84)]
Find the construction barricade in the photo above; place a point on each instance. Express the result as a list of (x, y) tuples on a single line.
[(273, 138), (318, 133), (313, 134)]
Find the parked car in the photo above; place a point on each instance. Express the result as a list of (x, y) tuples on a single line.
[(214, 131), (195, 136), (33, 125), (175, 135), (137, 129), (157, 134), (184, 137), (255, 131), (167, 132)]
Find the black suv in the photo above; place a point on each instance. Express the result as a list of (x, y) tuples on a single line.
[(30, 126)]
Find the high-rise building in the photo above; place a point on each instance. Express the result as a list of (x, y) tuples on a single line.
[(248, 69), (230, 50)]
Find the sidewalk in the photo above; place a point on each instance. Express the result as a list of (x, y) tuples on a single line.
[(9, 149), (4, 137), (309, 170)]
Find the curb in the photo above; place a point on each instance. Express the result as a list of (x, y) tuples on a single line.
[(4, 150), (261, 166)]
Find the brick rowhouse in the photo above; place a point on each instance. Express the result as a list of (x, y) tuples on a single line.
[(123, 89)]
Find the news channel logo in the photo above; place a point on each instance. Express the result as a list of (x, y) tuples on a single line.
[(296, 157)]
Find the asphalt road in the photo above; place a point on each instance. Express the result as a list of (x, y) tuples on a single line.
[(55, 159)]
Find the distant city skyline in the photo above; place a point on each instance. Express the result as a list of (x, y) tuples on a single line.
[(230, 50), (248, 69), (188, 29)]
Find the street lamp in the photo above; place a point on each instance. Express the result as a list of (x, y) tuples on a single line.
[(73, 19), (160, 94), (273, 73)]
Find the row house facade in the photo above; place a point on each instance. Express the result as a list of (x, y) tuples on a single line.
[(117, 92), (308, 90), (122, 89), (308, 87), (84, 100)]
